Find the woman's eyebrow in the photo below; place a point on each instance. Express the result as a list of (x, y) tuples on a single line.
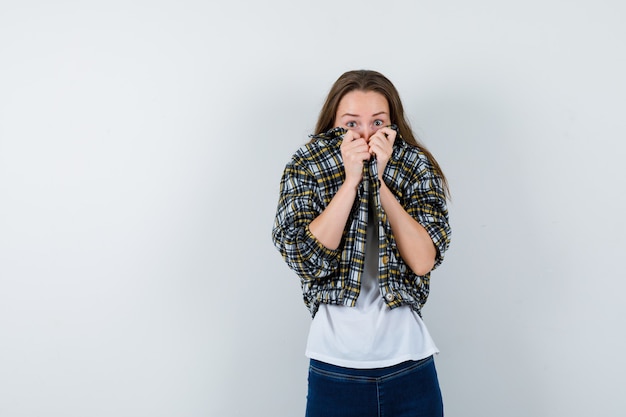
[(356, 115)]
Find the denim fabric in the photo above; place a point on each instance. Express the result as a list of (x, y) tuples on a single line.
[(409, 389)]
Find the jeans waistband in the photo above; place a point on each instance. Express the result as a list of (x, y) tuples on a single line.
[(372, 373)]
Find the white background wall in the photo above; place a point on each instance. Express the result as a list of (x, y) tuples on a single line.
[(141, 146)]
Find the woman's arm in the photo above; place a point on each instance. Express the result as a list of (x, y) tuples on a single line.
[(414, 243), (328, 227)]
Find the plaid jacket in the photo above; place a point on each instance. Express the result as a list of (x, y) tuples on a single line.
[(309, 182)]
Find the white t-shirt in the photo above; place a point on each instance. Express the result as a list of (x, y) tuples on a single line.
[(369, 335)]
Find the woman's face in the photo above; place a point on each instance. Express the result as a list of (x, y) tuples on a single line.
[(363, 112)]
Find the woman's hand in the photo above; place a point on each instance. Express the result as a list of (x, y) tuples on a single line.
[(354, 150), (381, 145)]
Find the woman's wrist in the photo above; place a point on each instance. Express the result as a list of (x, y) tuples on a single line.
[(351, 183)]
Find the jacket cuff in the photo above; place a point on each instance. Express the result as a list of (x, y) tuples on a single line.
[(317, 249)]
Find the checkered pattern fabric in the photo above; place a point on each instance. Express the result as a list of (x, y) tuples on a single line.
[(309, 182)]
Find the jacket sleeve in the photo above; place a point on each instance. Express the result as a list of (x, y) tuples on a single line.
[(425, 201), (298, 205)]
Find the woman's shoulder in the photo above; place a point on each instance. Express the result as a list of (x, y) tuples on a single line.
[(317, 149), (409, 153)]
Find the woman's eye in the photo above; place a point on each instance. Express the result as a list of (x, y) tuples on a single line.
[(351, 124), (378, 123)]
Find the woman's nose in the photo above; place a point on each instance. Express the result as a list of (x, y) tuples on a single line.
[(365, 132)]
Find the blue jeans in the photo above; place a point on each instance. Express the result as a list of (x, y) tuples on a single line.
[(409, 389)]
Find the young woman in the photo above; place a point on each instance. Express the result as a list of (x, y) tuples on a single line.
[(362, 220)]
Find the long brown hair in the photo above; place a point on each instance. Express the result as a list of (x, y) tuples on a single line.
[(367, 80)]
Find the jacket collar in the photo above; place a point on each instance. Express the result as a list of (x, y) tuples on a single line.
[(335, 135)]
